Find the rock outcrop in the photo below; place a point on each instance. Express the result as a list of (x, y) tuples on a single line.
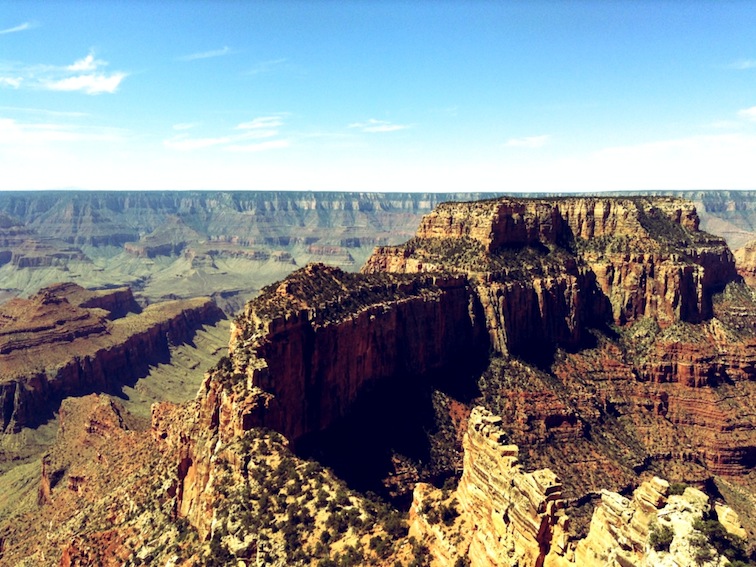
[(501, 515), (510, 517), (614, 340), (316, 341), (67, 341), (637, 257), (745, 258)]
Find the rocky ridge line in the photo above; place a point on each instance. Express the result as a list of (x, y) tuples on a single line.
[(67, 341)]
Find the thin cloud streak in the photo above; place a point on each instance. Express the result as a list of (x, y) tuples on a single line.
[(261, 122), (377, 126), (19, 28), (44, 111), (743, 64), (748, 113), (265, 66), (15, 133), (12, 82), (207, 54), (262, 127)]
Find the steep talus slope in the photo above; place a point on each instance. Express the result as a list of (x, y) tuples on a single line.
[(66, 341)]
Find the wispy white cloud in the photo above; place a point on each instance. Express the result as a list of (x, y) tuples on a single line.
[(13, 82), (743, 64), (44, 111), (265, 122), (528, 142), (265, 66), (21, 27), (241, 138), (82, 75), (372, 125), (89, 84), (748, 113), (207, 54), (88, 63)]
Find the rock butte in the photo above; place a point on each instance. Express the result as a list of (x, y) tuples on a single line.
[(620, 345)]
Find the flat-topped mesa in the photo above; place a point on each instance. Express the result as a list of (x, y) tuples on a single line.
[(516, 222), (304, 349), (67, 341), (495, 223), (624, 258)]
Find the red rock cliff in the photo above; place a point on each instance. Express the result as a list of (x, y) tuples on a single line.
[(317, 340), (545, 269), (51, 347)]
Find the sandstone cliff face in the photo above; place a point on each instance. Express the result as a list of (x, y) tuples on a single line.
[(670, 393), (318, 339), (659, 391), (67, 341), (745, 257), (504, 516), (516, 516), (637, 257)]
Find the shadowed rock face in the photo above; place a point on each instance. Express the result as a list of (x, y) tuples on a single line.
[(317, 340), (69, 341)]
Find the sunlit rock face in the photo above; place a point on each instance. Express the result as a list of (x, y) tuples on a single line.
[(66, 340)]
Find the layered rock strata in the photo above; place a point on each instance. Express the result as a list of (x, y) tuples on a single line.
[(611, 400), (313, 343), (501, 515), (513, 517), (634, 258), (67, 341), (745, 257)]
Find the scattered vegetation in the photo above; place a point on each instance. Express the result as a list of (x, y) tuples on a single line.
[(660, 537), (710, 536)]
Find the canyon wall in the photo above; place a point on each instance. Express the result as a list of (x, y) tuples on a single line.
[(550, 269), (68, 341), (317, 340), (500, 515)]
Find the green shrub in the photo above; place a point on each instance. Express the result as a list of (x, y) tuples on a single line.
[(661, 537)]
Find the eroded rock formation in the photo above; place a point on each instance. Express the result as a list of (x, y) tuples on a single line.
[(66, 341), (510, 517), (619, 344), (501, 515)]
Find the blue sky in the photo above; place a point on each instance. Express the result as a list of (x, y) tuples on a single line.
[(378, 96)]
